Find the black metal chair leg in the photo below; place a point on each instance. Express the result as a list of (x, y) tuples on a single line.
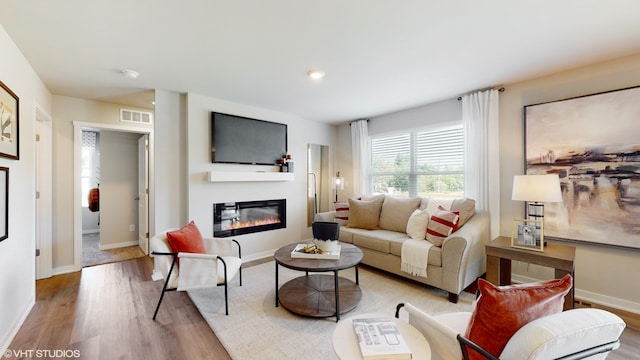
[(240, 256), (158, 306), (166, 282), (226, 302), (337, 290)]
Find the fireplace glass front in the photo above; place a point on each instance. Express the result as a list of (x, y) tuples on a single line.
[(245, 217)]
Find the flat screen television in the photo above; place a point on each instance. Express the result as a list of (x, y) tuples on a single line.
[(241, 140)]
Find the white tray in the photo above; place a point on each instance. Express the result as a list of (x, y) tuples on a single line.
[(297, 254)]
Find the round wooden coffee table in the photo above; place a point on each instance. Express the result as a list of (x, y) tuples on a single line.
[(319, 295)]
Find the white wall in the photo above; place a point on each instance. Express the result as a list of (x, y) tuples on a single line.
[(202, 194), (603, 274), (171, 155), (17, 260), (66, 110), (118, 189)]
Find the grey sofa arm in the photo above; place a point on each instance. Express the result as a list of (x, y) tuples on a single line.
[(463, 254), (325, 216)]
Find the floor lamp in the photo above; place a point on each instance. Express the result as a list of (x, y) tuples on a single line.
[(338, 183)]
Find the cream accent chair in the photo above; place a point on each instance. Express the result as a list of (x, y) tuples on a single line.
[(573, 334), (215, 268)]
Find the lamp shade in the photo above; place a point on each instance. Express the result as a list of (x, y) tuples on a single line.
[(541, 188)]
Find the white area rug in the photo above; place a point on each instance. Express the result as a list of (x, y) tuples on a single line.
[(256, 329)]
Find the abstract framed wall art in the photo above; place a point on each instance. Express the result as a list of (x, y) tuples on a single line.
[(593, 143), (9, 123), (4, 203)]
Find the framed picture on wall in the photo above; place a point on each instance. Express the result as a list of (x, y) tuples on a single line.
[(4, 203), (9, 120), (592, 142)]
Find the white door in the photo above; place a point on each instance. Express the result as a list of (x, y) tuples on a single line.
[(143, 193), (44, 191)]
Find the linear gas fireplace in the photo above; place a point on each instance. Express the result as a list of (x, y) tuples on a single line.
[(245, 217)]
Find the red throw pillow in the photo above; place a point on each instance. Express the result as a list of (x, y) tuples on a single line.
[(187, 239), (501, 310), (442, 224), (342, 212)]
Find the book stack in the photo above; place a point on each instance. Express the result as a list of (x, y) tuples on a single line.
[(379, 338)]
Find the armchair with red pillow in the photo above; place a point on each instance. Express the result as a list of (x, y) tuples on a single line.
[(187, 260), (522, 321)]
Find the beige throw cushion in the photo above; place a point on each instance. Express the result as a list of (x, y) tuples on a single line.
[(396, 212), (417, 224), (466, 207), (364, 214)]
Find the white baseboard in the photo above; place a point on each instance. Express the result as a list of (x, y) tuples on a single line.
[(65, 269), (118, 245), (15, 327), (620, 304), (590, 297)]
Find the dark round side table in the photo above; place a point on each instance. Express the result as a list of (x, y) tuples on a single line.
[(319, 295)]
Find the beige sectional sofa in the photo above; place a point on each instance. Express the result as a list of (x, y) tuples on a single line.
[(381, 233)]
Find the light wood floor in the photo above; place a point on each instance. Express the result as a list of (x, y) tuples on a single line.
[(105, 312)]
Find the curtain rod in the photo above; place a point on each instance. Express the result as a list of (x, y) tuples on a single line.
[(358, 120), (501, 89)]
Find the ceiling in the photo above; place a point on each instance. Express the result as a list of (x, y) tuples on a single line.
[(379, 56)]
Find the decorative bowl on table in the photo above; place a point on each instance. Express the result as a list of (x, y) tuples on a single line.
[(326, 245)]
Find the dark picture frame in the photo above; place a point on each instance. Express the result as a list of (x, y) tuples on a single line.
[(9, 123), (592, 143), (4, 202)]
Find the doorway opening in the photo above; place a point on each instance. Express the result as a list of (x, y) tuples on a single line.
[(96, 251), (112, 202)]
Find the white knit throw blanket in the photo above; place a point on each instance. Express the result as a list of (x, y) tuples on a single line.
[(197, 271), (414, 257)]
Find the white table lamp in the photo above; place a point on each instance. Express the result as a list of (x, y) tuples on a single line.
[(536, 189)]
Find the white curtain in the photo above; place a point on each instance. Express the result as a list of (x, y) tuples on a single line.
[(482, 160), (360, 155)]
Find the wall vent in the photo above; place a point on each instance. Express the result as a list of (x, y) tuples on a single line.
[(134, 116)]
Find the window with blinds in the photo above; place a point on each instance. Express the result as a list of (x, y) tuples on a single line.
[(90, 172), (422, 163)]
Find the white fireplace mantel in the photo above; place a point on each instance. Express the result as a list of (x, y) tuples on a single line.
[(247, 176)]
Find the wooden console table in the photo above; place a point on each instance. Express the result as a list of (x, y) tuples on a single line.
[(560, 257)]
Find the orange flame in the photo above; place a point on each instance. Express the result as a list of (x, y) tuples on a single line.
[(246, 224)]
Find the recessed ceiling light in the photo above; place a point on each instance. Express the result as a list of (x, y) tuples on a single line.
[(130, 74), (315, 74)]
